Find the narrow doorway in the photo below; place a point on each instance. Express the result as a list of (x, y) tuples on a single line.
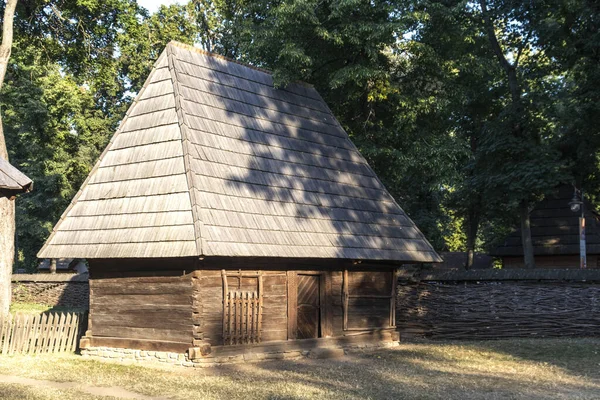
[(308, 307)]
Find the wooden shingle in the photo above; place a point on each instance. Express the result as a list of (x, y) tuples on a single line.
[(212, 160)]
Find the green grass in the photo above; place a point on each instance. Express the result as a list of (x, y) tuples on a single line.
[(36, 308), (509, 369)]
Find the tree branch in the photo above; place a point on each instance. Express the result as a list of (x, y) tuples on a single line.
[(489, 27), (520, 51)]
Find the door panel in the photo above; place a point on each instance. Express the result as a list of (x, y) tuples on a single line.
[(309, 307)]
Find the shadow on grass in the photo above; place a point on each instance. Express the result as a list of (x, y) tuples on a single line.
[(448, 371), (579, 356)]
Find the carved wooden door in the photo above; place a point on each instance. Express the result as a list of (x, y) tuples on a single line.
[(309, 306)]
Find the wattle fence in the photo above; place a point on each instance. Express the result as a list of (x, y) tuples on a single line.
[(497, 304), (51, 332)]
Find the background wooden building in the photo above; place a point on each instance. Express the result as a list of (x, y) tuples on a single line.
[(555, 235), (227, 212), (12, 181)]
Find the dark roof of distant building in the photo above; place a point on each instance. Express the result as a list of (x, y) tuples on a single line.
[(458, 260), (555, 228)]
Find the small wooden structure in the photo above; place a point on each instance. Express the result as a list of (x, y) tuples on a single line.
[(225, 212), (62, 266), (12, 181), (555, 235)]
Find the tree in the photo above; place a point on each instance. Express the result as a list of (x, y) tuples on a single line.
[(529, 165), (7, 207)]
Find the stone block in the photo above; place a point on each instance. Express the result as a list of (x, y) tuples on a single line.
[(326, 353), (84, 343), (274, 356), (293, 354), (251, 357)]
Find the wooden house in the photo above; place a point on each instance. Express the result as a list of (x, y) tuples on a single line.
[(555, 235), (227, 212), (12, 181)]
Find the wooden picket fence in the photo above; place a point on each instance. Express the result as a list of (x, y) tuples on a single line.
[(40, 333), (242, 319)]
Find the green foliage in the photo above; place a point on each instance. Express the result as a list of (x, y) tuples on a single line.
[(415, 83), (55, 132)]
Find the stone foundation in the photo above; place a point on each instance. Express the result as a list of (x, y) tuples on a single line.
[(129, 356)]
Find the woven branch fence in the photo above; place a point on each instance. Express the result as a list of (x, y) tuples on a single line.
[(461, 306), (41, 333)]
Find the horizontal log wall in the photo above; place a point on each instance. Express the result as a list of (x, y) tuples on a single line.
[(538, 304), (150, 308)]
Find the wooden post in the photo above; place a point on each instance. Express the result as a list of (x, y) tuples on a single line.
[(225, 305), (292, 304), (260, 304), (393, 298), (345, 295)]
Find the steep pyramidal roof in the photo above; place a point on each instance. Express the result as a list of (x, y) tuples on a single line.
[(12, 181), (555, 228), (211, 160)]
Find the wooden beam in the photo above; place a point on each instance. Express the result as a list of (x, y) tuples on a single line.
[(292, 304), (328, 304), (140, 344), (393, 299), (345, 296), (373, 336), (225, 304)]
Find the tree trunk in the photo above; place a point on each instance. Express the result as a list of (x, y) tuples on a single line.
[(7, 207), (7, 239), (526, 235), (472, 228), (517, 129)]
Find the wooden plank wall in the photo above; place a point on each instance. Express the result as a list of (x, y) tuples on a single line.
[(364, 313), (209, 288), (155, 308), (552, 262)]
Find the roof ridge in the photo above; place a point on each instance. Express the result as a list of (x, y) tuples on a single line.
[(229, 59), (100, 158), (183, 125)]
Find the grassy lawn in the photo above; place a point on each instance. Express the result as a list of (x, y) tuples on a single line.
[(510, 369), (36, 308)]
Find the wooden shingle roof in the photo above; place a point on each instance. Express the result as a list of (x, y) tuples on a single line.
[(211, 160), (12, 181), (555, 228)]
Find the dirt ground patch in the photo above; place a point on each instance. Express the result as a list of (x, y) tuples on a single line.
[(510, 369), (98, 391)]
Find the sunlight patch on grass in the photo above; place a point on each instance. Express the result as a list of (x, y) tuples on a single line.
[(515, 369), (37, 308)]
